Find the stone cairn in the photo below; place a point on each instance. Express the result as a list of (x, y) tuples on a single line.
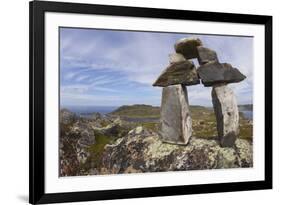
[(175, 119)]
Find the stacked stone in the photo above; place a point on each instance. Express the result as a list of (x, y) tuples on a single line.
[(218, 75), (175, 120)]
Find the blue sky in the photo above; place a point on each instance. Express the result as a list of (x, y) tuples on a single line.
[(114, 68)]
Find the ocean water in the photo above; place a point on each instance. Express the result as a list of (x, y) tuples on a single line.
[(88, 110), (248, 114)]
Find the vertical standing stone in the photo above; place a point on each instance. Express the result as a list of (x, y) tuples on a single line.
[(227, 115), (175, 120)]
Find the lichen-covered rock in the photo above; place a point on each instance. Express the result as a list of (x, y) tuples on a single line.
[(245, 153), (83, 132), (145, 152), (96, 116), (116, 128), (213, 73), (183, 72), (188, 47), (227, 114), (76, 136), (67, 117), (98, 120), (175, 120)]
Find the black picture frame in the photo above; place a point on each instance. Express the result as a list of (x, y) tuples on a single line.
[(37, 10)]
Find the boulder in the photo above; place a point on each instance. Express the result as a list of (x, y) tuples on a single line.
[(206, 55), (146, 152), (83, 132), (67, 117), (76, 136), (178, 73), (216, 73), (175, 120), (96, 116), (187, 47), (227, 114), (176, 58)]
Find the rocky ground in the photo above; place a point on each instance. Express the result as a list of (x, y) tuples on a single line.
[(143, 151), (118, 143)]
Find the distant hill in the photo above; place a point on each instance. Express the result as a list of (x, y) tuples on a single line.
[(246, 107), (147, 111), (138, 110)]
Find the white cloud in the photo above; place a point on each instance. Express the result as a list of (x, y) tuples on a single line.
[(140, 59)]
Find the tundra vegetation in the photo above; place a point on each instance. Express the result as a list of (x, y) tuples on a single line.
[(99, 144)]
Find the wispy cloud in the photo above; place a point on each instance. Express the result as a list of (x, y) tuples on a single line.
[(123, 65)]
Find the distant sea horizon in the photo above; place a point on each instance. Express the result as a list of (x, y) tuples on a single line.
[(88, 110)]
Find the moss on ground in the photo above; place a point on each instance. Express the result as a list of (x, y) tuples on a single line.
[(96, 150), (152, 126), (246, 130), (203, 123), (137, 111)]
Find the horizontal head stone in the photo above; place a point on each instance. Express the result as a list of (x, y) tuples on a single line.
[(214, 73), (206, 55), (178, 73), (187, 47)]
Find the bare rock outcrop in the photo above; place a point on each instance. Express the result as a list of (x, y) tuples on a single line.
[(76, 136), (144, 151)]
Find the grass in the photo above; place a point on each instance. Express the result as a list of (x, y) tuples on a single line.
[(203, 120), (153, 126), (246, 129), (96, 150), (204, 124), (246, 132), (138, 111)]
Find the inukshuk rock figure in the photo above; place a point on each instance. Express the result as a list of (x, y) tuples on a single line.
[(175, 119), (218, 75)]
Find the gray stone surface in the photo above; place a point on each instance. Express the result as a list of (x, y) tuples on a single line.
[(227, 114), (215, 73), (67, 117), (146, 152), (178, 73), (176, 58), (175, 120), (206, 55), (187, 47)]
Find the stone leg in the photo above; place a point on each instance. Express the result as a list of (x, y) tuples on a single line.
[(227, 114), (175, 120)]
